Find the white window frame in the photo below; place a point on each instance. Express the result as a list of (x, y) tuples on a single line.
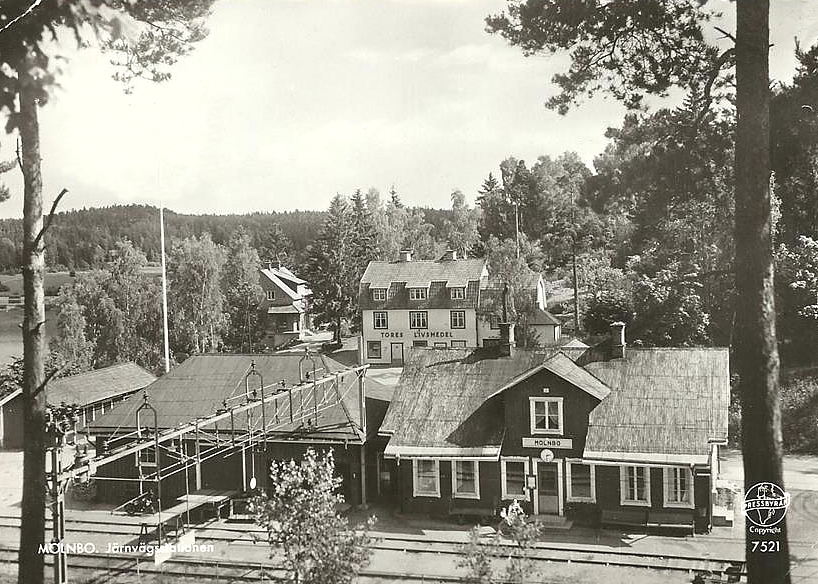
[(271, 294), (425, 319), (494, 322), (668, 475), (504, 494), (534, 430), (458, 344), (415, 492), (418, 293), (462, 314), (378, 294), (569, 492), (476, 494), (623, 481), (457, 293), (375, 315)]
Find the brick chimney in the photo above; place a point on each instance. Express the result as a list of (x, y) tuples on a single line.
[(405, 255), (618, 340)]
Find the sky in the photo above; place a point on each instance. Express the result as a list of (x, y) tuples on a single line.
[(288, 102)]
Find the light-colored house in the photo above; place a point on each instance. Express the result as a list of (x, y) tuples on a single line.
[(420, 303), (286, 305), (543, 326)]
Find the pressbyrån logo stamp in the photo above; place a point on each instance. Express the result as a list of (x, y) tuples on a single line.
[(765, 504)]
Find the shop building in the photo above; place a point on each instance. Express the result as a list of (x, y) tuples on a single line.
[(602, 435), (420, 303)]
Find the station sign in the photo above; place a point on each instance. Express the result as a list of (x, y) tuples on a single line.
[(545, 442)]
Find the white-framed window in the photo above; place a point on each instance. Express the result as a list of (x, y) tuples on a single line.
[(373, 349), (420, 343), (418, 319), (458, 319), (581, 482), (546, 415), (634, 485), (441, 345), (271, 294), (425, 477), (378, 294), (457, 293), (494, 321), (678, 486), (418, 293), (512, 478), (380, 320), (458, 344), (466, 479)]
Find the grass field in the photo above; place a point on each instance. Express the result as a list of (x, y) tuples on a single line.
[(53, 281)]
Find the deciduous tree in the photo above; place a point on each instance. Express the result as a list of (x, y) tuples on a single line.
[(195, 297), (301, 517), (242, 293)]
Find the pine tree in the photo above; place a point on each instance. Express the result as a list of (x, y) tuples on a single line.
[(331, 268), (365, 237)]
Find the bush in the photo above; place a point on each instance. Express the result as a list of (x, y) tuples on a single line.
[(799, 412)]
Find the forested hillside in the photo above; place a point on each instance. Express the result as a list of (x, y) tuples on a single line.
[(83, 239)]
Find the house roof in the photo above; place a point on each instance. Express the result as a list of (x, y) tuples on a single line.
[(286, 274), (437, 296), (564, 367), (98, 385), (273, 276), (440, 402), (543, 317), (663, 401), (199, 386), (288, 309), (418, 272)]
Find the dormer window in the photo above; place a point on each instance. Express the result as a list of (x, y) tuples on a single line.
[(457, 293), (546, 415), (418, 293), (271, 295), (379, 294)]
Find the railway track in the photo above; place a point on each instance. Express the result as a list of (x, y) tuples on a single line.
[(247, 535)]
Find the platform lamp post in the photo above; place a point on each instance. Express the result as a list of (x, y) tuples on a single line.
[(253, 395), (58, 422)]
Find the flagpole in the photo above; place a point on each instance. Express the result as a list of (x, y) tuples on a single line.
[(164, 287)]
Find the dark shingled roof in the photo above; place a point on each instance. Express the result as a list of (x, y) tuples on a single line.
[(440, 399), (98, 385), (661, 401), (458, 272), (198, 387), (664, 401), (438, 296)]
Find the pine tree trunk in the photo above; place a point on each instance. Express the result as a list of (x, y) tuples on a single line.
[(34, 488), (755, 349)]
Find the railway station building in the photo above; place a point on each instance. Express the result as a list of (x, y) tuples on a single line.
[(608, 434), (318, 403), (450, 302)]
